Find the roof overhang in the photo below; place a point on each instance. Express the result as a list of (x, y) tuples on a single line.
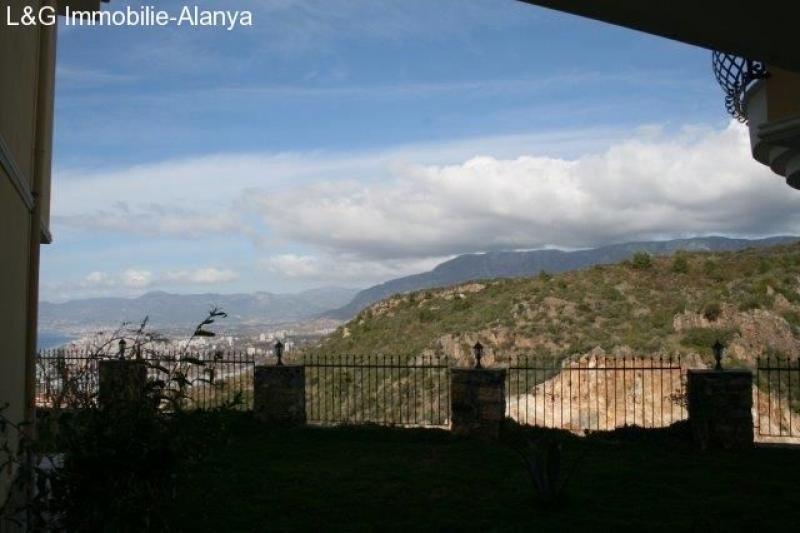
[(766, 30), (79, 5)]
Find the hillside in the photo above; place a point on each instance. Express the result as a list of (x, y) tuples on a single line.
[(519, 264), (749, 299), (184, 310)]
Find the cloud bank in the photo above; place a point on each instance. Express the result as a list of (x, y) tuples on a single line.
[(369, 216), (699, 181), (132, 281)]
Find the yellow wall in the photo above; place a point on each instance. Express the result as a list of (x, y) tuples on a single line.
[(25, 128), (783, 94), (14, 244), (19, 50)]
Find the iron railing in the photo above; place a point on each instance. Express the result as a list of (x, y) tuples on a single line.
[(70, 378), (596, 393), (777, 397), (377, 389)]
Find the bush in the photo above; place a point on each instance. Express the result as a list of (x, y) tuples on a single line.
[(642, 261), (792, 317), (755, 301), (680, 264), (702, 339), (712, 269), (712, 311), (425, 315), (123, 456)]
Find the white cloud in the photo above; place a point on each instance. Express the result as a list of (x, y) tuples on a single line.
[(343, 268), (698, 181), (133, 281), (293, 266), (137, 278), (129, 278), (201, 276), (368, 216), (192, 197), (153, 220), (97, 279)]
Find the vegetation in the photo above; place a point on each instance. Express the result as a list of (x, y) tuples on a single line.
[(647, 306), (369, 478), (642, 260), (680, 264), (119, 451)]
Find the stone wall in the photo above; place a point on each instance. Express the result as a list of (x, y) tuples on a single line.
[(122, 381), (478, 401), (720, 408), (280, 394)]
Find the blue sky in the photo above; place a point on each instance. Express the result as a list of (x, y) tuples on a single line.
[(345, 142)]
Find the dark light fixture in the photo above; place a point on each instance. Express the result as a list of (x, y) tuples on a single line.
[(278, 351), (122, 344), (478, 351), (718, 349)]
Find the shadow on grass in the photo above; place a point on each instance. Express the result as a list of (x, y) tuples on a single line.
[(369, 477)]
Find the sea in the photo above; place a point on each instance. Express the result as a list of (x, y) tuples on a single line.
[(49, 340)]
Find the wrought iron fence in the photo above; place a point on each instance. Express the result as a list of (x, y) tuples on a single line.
[(378, 389), (596, 393), (70, 378), (777, 397), (66, 379)]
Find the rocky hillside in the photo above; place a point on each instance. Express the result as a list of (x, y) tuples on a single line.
[(529, 263), (644, 306)]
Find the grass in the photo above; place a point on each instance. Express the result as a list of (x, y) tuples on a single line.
[(365, 478)]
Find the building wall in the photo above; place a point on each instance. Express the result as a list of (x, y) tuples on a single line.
[(15, 246), (783, 94), (26, 79)]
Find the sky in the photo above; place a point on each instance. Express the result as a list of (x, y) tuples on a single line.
[(347, 142)]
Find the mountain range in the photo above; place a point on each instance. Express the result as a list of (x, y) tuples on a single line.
[(185, 310), (265, 308), (749, 300), (529, 263)]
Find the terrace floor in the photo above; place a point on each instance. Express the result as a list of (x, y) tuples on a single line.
[(366, 478)]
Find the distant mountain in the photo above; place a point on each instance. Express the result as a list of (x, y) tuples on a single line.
[(520, 264), (185, 310)]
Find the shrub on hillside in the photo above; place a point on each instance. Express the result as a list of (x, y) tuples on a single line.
[(752, 301), (680, 264), (712, 311), (425, 315), (792, 317), (642, 261), (702, 339)]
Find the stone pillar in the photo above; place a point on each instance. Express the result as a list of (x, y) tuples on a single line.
[(280, 394), (719, 405), (477, 401), (122, 381)]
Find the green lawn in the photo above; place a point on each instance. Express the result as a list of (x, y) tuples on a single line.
[(362, 478)]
